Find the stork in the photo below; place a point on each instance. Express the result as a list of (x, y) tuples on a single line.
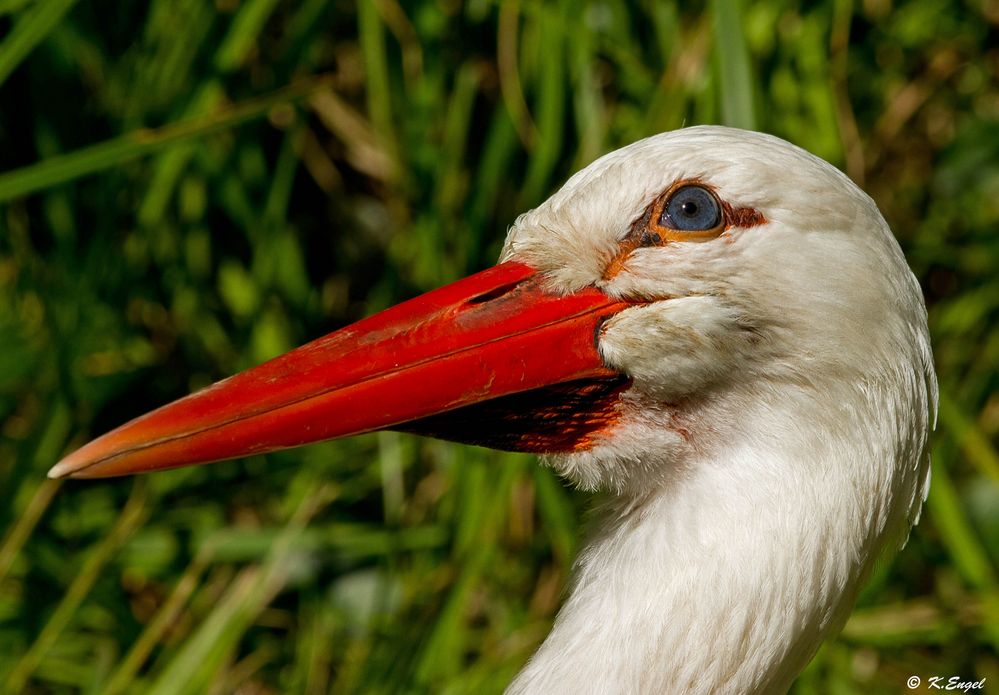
[(713, 326)]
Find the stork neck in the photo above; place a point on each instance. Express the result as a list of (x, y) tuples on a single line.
[(719, 584)]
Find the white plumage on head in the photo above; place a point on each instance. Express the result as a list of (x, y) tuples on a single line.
[(772, 441)]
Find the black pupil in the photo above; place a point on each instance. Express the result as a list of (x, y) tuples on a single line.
[(689, 208)]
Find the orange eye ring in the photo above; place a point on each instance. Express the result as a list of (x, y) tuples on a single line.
[(649, 229)]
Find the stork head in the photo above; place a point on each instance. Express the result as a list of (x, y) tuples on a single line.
[(770, 304), (680, 294)]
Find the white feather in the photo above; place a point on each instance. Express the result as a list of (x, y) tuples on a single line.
[(773, 440)]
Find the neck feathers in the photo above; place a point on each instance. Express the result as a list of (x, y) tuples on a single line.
[(728, 579)]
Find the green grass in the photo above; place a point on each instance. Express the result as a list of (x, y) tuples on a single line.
[(187, 189)]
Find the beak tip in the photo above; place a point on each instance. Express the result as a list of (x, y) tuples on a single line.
[(70, 466), (57, 471), (63, 469)]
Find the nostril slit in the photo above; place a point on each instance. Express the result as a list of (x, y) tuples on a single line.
[(598, 332), (494, 293)]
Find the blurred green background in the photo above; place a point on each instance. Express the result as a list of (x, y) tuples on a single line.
[(190, 188)]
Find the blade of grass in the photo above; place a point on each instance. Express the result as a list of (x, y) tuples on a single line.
[(962, 543), (25, 524), (282, 179), (193, 668), (452, 175), (45, 450), (123, 676), (588, 102), (734, 76), (234, 678), (551, 97), (509, 73), (501, 145), (973, 442), (970, 559), (30, 30), (442, 654), (839, 71), (171, 163), (449, 193), (88, 160), (12, 6), (209, 96), (685, 69), (379, 93), (362, 147), (130, 518), (243, 33), (391, 466), (919, 622)]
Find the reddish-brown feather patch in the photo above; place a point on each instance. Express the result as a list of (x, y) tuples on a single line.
[(556, 419), (742, 217)]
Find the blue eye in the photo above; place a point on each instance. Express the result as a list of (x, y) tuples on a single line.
[(691, 209)]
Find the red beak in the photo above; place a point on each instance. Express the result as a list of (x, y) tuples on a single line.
[(494, 359)]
